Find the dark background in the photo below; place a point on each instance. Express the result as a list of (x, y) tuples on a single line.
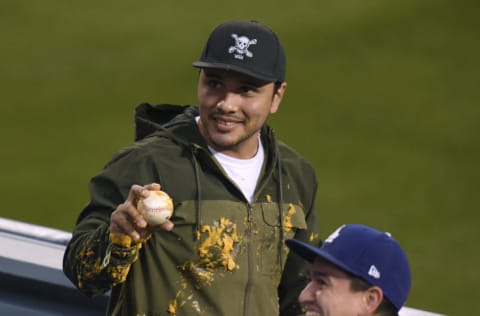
[(382, 99)]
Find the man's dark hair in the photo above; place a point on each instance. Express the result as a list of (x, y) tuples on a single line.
[(277, 85), (386, 308)]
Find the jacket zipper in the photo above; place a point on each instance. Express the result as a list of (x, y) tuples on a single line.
[(250, 267)]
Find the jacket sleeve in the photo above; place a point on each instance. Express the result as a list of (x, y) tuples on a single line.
[(295, 275), (91, 261)]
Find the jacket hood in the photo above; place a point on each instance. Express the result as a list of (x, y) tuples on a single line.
[(152, 118)]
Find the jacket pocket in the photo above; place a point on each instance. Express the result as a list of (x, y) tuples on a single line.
[(184, 213), (293, 218), (212, 240), (292, 215)]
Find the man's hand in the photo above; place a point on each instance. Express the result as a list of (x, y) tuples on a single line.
[(126, 220)]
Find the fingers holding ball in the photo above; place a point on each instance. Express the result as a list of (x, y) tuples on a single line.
[(156, 207)]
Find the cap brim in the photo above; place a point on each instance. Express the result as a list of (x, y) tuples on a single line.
[(309, 253), (202, 64)]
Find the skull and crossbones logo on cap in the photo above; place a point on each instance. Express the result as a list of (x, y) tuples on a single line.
[(242, 43)]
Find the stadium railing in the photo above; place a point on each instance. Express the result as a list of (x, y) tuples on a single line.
[(32, 281)]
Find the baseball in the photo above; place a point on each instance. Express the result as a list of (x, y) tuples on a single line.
[(157, 208)]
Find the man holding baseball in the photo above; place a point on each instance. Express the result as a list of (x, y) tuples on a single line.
[(237, 192), (357, 271)]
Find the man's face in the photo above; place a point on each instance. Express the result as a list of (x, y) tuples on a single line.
[(329, 292), (233, 108)]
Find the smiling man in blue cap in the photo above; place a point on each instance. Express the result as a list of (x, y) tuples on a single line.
[(357, 271)]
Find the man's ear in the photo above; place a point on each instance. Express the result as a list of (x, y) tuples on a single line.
[(277, 97), (372, 299)]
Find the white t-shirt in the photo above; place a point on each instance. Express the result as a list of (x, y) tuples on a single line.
[(243, 172)]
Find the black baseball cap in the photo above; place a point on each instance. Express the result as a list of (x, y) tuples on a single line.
[(247, 47)]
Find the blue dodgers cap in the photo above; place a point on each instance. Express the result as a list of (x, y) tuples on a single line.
[(374, 256), (247, 47)]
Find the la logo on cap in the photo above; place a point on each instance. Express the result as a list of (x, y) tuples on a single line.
[(242, 43), (334, 235)]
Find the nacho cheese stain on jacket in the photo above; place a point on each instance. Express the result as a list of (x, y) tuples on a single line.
[(225, 255)]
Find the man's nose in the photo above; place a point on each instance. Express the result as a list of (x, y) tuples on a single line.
[(307, 294), (229, 102)]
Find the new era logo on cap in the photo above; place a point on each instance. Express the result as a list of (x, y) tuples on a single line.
[(373, 272)]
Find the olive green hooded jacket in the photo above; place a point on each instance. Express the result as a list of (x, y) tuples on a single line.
[(225, 256)]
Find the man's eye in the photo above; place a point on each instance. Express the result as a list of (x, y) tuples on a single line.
[(320, 281), (213, 83), (247, 89)]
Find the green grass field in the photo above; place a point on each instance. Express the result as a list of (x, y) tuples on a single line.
[(382, 99)]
